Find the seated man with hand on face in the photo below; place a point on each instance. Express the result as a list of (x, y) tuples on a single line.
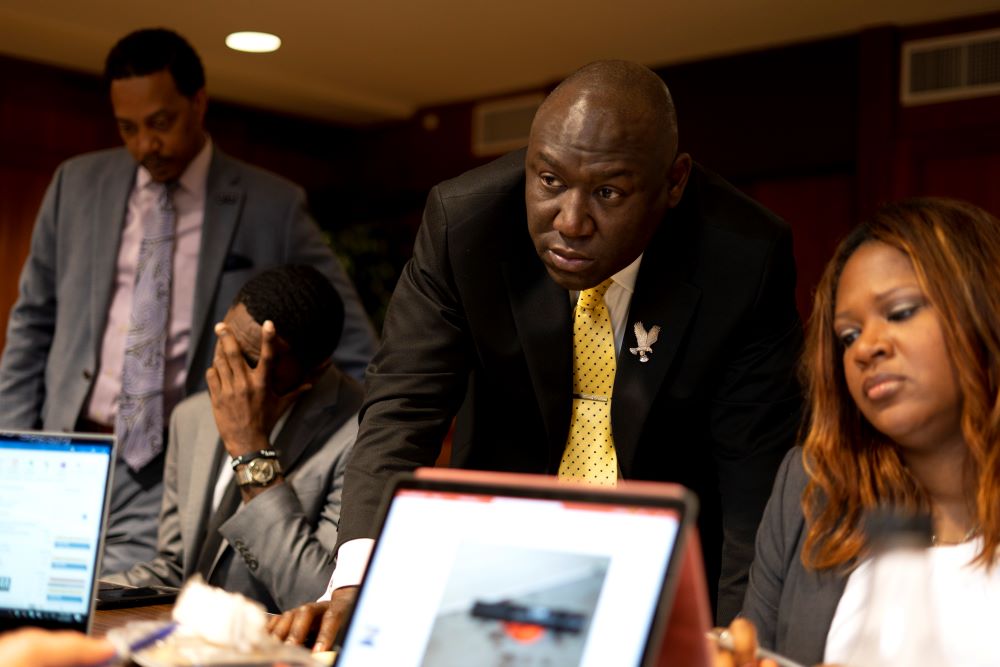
[(136, 253), (255, 465)]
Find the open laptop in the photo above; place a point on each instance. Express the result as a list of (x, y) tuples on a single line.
[(54, 490), (497, 569)]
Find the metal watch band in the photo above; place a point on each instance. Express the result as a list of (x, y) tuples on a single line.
[(259, 472), (259, 454)]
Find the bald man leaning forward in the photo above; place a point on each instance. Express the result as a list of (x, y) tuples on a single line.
[(483, 315)]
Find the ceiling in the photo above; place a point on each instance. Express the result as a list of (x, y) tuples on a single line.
[(371, 60)]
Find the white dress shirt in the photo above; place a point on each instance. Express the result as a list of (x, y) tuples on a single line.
[(189, 204)]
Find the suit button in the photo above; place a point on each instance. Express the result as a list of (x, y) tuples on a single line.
[(252, 564), (240, 545), (87, 375)]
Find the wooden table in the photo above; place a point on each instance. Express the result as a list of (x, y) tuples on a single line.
[(108, 619)]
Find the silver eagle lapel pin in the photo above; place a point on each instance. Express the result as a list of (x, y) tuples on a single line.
[(644, 340)]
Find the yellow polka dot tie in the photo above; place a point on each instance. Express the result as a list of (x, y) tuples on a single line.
[(590, 448)]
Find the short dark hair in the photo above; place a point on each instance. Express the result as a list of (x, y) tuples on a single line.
[(307, 311), (152, 50)]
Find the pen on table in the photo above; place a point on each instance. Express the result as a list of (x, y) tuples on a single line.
[(141, 643), (151, 638), (725, 642)]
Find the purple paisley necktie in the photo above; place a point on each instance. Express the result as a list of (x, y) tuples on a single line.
[(139, 424)]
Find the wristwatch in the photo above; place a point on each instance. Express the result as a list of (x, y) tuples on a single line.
[(258, 472)]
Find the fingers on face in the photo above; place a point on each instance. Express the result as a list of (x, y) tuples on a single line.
[(220, 361), (267, 336), (229, 361), (212, 380)]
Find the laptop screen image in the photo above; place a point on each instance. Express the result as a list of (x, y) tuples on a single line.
[(53, 501), (531, 573)]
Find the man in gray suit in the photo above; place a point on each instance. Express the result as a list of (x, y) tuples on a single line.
[(68, 334), (257, 514)]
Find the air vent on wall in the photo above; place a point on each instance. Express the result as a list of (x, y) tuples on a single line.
[(502, 125), (951, 68)]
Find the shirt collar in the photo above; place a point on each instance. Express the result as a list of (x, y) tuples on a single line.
[(627, 276), (194, 178)]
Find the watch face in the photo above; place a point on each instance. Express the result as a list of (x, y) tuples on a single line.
[(261, 471)]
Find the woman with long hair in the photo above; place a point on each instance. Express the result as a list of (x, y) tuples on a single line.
[(902, 369)]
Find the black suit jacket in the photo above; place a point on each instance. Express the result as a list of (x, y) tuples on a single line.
[(477, 327)]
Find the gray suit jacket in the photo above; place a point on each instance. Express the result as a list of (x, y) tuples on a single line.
[(253, 220), (278, 548), (792, 607)]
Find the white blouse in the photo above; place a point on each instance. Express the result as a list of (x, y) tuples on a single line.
[(965, 609)]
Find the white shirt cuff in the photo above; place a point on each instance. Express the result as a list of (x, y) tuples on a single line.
[(352, 559)]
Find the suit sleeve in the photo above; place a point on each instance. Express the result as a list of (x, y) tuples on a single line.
[(755, 417), (307, 246), (289, 555), (31, 325), (167, 567), (417, 380), (776, 542)]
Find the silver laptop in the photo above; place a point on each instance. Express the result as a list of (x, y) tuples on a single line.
[(54, 491), (492, 569)]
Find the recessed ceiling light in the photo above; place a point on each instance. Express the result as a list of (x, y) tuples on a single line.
[(253, 42)]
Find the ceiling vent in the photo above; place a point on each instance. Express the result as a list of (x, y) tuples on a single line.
[(951, 68), (502, 125)]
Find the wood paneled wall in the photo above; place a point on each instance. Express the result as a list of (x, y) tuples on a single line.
[(814, 131)]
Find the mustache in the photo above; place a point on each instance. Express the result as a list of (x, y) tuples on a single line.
[(154, 161)]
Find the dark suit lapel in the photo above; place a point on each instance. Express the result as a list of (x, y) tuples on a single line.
[(306, 424), (542, 316), (663, 298), (224, 197), (106, 238)]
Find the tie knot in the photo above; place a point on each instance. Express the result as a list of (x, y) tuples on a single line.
[(164, 193), (159, 215), (591, 298)]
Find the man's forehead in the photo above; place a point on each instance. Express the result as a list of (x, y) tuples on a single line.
[(605, 163), (597, 122), (603, 150)]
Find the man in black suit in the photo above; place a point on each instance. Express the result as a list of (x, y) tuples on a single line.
[(481, 324)]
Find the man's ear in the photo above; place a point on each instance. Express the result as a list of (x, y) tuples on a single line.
[(200, 102), (678, 174)]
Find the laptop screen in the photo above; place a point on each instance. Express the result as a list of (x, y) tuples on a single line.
[(492, 575), (53, 498)]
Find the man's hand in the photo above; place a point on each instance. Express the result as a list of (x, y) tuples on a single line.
[(323, 618), (244, 402), (32, 647)]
